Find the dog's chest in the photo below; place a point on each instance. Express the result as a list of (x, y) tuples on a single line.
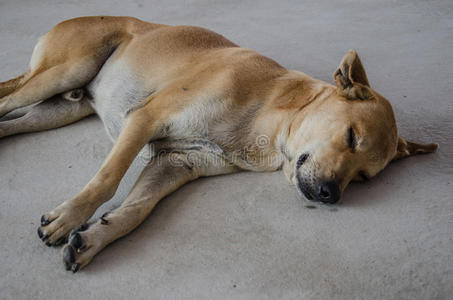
[(198, 118)]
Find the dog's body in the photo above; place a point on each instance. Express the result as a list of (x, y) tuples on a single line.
[(206, 106)]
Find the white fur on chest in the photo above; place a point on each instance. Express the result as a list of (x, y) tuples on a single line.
[(198, 118)]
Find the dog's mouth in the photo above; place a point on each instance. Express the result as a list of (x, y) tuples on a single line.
[(306, 193), (304, 188)]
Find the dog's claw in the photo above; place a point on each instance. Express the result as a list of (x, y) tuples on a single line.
[(42, 236), (44, 221), (75, 268)]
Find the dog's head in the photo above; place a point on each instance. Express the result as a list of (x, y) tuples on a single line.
[(349, 134)]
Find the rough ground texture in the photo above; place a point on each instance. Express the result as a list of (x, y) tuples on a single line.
[(248, 236)]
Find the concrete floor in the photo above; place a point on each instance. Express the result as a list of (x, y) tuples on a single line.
[(247, 236)]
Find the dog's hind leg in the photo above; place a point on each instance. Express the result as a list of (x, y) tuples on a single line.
[(163, 175), (42, 85), (53, 113), (10, 86), (59, 65)]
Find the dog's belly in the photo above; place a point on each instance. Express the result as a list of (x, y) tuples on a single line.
[(114, 90)]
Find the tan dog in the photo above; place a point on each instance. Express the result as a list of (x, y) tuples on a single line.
[(205, 106)]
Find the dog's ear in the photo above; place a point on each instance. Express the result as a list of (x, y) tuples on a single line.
[(406, 148), (351, 78)]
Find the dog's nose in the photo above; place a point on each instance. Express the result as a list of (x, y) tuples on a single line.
[(328, 192)]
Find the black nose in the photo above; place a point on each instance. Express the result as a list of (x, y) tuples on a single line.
[(328, 192)]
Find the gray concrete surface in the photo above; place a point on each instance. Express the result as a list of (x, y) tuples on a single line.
[(247, 236)]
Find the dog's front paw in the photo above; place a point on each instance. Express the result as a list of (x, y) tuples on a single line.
[(83, 244), (56, 225)]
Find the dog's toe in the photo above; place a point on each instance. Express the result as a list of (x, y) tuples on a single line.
[(75, 240), (44, 221), (54, 234), (58, 223), (68, 257), (42, 236), (74, 247), (83, 244)]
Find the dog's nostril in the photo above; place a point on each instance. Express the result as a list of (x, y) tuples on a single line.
[(324, 192)]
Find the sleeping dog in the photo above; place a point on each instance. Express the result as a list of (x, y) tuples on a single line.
[(201, 106)]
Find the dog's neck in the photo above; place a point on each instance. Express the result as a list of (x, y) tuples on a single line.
[(293, 93), (282, 109)]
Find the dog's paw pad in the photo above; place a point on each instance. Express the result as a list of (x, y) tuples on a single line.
[(69, 256)]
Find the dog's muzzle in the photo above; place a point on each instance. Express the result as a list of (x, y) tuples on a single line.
[(315, 190)]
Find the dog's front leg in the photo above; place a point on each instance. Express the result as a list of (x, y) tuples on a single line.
[(163, 175), (139, 129)]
